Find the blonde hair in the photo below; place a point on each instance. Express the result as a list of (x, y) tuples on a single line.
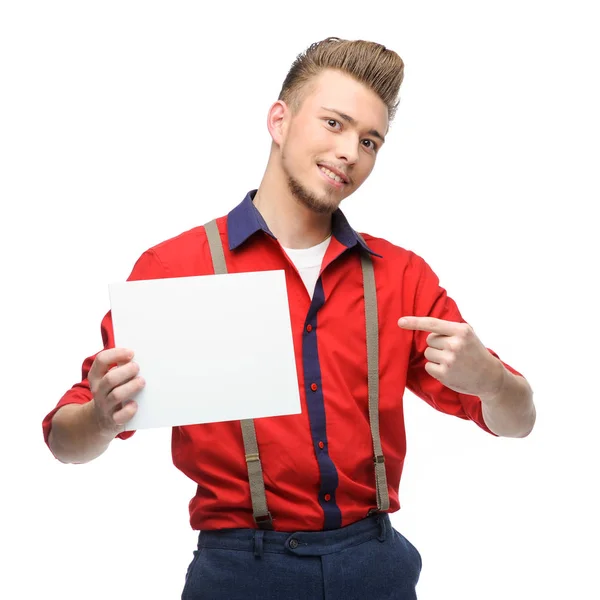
[(372, 64)]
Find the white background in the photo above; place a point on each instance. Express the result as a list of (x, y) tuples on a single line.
[(125, 123)]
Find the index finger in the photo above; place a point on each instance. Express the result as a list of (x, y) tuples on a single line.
[(107, 358), (430, 324)]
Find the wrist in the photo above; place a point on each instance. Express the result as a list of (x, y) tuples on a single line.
[(496, 382)]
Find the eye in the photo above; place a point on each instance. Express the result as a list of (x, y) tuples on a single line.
[(330, 121), (373, 145)]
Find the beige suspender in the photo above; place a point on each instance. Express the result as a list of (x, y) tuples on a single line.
[(262, 516), (383, 500), (261, 513)]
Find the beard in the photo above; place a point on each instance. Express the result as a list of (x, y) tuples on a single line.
[(322, 205), (307, 198)]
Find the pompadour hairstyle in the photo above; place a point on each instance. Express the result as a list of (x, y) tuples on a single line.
[(372, 64)]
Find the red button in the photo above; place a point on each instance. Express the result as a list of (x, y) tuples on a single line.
[(314, 387), (321, 445), (309, 328), (327, 497)]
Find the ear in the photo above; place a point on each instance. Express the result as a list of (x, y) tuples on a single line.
[(277, 121)]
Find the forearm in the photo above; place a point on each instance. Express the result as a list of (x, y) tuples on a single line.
[(76, 436), (510, 411)]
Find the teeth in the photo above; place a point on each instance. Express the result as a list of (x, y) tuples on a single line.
[(331, 174)]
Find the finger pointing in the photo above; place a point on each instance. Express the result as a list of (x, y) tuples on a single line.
[(430, 324)]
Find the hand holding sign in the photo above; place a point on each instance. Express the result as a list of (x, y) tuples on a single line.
[(456, 356), (114, 382)]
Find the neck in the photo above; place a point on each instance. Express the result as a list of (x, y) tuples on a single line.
[(293, 224)]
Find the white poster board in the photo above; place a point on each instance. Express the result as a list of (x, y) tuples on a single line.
[(211, 348)]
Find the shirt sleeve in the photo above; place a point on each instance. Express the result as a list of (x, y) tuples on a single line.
[(148, 266), (431, 300)]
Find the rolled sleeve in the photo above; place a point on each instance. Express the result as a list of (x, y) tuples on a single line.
[(148, 266), (432, 300)]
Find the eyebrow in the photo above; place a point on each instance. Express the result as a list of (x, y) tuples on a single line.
[(352, 121)]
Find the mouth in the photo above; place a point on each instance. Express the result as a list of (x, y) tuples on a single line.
[(333, 176)]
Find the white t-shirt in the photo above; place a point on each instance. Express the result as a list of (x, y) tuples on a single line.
[(308, 261)]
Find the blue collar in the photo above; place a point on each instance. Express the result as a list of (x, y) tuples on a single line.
[(245, 220)]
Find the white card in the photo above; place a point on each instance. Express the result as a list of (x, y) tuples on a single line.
[(211, 348)]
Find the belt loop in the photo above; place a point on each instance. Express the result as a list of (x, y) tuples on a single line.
[(258, 543), (382, 521)]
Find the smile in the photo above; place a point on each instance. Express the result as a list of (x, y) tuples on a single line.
[(332, 178)]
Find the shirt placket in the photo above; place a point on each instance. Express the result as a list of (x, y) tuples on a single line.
[(315, 403)]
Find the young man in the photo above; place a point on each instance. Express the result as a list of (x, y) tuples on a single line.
[(297, 507)]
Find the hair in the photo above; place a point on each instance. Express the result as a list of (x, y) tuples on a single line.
[(369, 63)]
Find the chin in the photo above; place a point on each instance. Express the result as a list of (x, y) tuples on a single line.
[(313, 198), (316, 201)]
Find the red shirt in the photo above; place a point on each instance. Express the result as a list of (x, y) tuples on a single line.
[(318, 466)]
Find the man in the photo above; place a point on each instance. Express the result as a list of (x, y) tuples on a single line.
[(297, 507)]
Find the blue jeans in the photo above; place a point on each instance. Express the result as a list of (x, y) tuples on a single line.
[(368, 560)]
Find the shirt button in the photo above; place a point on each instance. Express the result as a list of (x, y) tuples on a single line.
[(327, 497), (309, 328), (321, 445), (293, 543), (314, 387)]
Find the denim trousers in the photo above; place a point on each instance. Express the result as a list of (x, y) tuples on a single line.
[(368, 560)]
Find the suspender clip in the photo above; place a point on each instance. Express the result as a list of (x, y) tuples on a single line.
[(264, 521)]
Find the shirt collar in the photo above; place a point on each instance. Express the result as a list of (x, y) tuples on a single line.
[(245, 220)]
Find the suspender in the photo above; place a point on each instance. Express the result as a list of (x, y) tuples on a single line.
[(383, 501), (261, 513)]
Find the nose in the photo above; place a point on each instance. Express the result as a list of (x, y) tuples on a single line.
[(347, 149)]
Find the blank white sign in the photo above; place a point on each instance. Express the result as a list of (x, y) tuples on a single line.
[(211, 348)]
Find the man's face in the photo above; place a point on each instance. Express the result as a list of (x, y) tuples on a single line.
[(320, 136)]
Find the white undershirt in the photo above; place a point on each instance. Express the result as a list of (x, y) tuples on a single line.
[(308, 261)]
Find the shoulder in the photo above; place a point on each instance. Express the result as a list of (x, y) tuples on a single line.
[(394, 257), (187, 253), (407, 274)]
